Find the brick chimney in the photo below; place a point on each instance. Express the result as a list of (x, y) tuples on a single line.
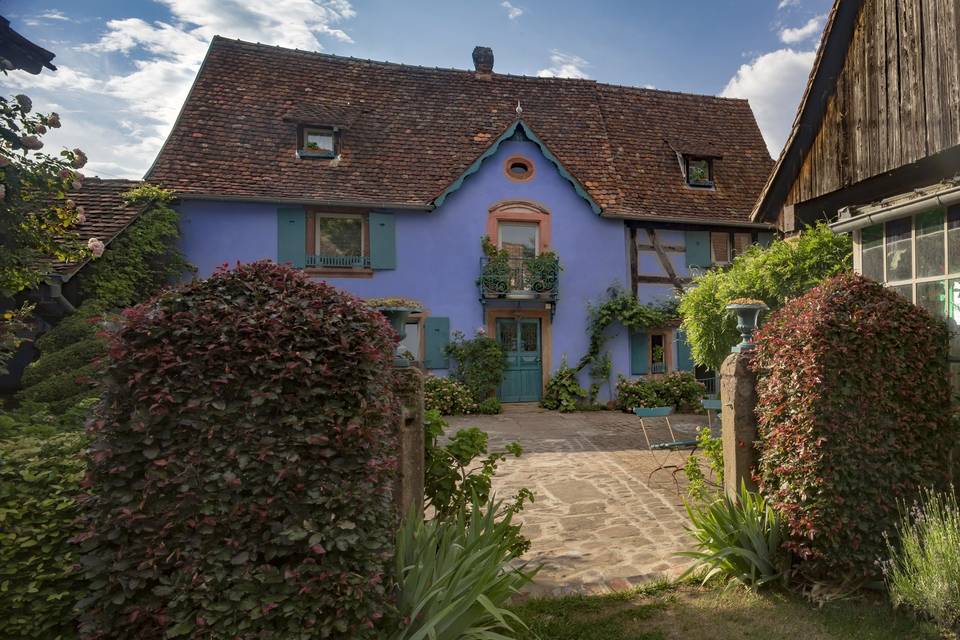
[(483, 62)]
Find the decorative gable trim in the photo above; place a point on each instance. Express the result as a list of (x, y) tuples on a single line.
[(523, 129)]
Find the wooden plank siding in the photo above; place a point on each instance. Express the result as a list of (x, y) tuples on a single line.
[(896, 100)]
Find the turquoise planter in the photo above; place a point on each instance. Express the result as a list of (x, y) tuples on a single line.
[(397, 316), (652, 412), (747, 317)]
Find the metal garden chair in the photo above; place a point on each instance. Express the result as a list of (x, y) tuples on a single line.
[(663, 451)]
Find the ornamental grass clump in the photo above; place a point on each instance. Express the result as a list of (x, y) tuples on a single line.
[(242, 467), (737, 540), (924, 568), (853, 415)]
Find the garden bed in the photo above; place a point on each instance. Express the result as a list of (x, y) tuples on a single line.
[(665, 612)]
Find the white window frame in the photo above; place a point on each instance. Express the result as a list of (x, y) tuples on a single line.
[(519, 223), (913, 281), (364, 249)]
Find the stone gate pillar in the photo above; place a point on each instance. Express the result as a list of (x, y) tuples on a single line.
[(738, 397), (408, 493)]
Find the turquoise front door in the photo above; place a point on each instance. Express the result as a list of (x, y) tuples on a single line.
[(522, 379)]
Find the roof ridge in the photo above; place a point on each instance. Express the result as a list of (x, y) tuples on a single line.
[(388, 63)]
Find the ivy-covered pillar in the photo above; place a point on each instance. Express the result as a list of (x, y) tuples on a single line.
[(738, 397), (408, 493)]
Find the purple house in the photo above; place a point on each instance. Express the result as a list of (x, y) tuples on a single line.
[(383, 179)]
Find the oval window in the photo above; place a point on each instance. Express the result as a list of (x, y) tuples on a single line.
[(519, 168)]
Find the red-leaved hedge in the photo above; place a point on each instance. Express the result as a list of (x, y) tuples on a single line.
[(241, 472), (853, 409)]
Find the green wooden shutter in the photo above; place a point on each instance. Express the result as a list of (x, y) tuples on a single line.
[(436, 338), (383, 241), (764, 238), (698, 248), (638, 353), (684, 358), (291, 236)]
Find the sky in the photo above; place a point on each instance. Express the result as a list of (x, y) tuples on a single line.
[(125, 67)]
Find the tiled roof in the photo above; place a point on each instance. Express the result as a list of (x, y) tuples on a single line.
[(106, 214), (412, 131)]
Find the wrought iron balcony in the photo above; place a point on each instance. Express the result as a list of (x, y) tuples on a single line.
[(519, 278), (348, 262)]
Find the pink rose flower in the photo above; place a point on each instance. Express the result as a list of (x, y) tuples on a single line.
[(79, 159), (96, 247), (53, 120), (81, 216), (24, 101), (31, 142)]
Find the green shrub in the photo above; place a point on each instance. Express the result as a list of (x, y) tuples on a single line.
[(563, 392), (243, 464), (37, 420), (460, 470), (853, 414), (455, 580), (699, 487), (39, 582), (924, 567), (76, 356), (490, 406), (784, 270), (678, 389), (447, 396), (76, 327), (480, 363), (738, 541), (63, 390)]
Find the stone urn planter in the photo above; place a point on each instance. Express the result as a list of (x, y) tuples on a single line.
[(397, 311), (748, 313)]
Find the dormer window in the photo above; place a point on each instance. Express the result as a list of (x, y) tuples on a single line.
[(317, 142), (699, 171)]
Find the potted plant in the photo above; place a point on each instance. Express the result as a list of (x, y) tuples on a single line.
[(543, 272), (748, 313), (494, 278), (397, 310)]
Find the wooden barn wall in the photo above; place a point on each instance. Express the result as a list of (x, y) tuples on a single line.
[(897, 99)]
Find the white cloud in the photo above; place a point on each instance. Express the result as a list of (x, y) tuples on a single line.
[(121, 119), (788, 3), (799, 34), (54, 14), (773, 83), (512, 12), (564, 65)]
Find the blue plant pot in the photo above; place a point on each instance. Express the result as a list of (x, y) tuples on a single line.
[(747, 317), (397, 317)]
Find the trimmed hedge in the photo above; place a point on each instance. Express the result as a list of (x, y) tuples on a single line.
[(678, 389), (66, 360), (39, 580), (854, 415), (243, 465)]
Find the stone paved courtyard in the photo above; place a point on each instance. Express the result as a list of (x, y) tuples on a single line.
[(598, 522)]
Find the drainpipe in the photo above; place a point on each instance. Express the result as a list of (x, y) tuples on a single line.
[(849, 222), (55, 286)]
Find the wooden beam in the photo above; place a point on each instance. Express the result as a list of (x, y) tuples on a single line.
[(634, 267), (665, 261), (669, 248), (658, 280)]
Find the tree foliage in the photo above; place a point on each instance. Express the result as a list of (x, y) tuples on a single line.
[(784, 270), (36, 214), (480, 362), (853, 415), (243, 463)]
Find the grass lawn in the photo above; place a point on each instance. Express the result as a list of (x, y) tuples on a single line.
[(663, 612)]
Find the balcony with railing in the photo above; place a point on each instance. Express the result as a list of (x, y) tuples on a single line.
[(338, 262), (515, 278)]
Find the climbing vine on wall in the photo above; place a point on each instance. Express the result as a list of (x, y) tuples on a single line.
[(622, 307), (143, 258)]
